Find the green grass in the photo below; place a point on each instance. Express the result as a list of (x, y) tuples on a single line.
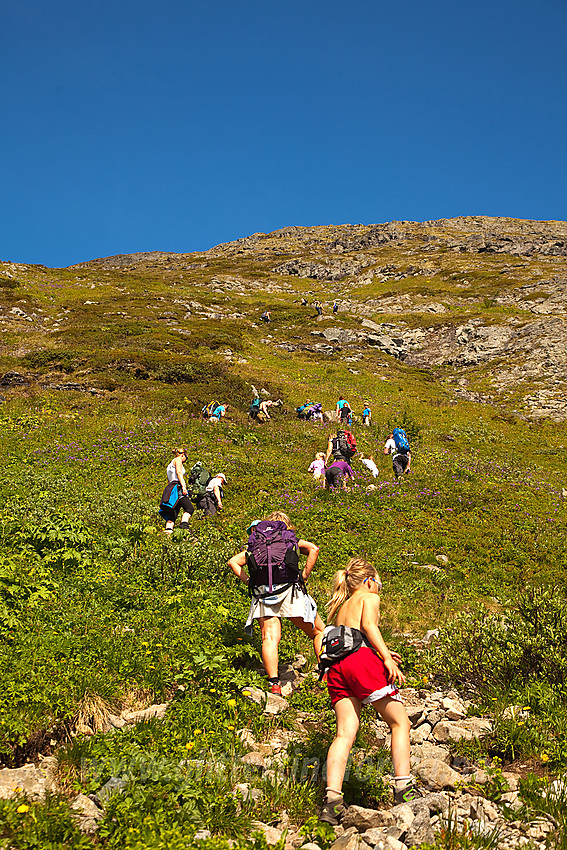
[(96, 606)]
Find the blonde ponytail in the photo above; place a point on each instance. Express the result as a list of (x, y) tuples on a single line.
[(281, 517), (345, 582)]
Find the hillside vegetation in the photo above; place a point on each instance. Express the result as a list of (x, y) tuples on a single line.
[(454, 329)]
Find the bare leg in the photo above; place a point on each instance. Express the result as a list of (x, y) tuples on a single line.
[(394, 714), (271, 629), (347, 711), (186, 516), (314, 632)]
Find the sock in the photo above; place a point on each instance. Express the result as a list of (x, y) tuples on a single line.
[(331, 795), (402, 782), (273, 680)]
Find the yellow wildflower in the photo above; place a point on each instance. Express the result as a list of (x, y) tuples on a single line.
[(197, 731), (21, 810), (190, 744), (544, 757), (231, 702)]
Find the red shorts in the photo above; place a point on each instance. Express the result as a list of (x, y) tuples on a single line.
[(361, 674)]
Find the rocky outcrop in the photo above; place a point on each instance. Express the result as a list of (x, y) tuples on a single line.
[(331, 270)]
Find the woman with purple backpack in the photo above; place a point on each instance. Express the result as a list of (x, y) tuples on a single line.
[(269, 566)]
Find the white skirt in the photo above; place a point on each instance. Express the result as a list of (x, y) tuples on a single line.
[(286, 603)]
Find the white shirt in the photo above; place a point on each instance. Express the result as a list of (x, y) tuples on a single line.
[(369, 464), (215, 482), (172, 471), (391, 445)]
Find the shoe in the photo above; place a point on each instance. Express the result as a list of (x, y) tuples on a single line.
[(407, 794), (332, 811), (184, 525), (276, 689)]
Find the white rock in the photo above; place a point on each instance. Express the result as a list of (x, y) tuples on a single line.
[(420, 734), (437, 775), (272, 834), (275, 704)]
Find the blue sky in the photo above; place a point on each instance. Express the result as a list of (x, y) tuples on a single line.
[(137, 126)]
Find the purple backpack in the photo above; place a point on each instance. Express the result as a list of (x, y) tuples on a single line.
[(272, 554)]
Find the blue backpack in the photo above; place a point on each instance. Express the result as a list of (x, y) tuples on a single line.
[(401, 440)]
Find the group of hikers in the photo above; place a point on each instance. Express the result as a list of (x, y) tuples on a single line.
[(341, 448), (267, 314), (354, 660), (313, 411), (200, 487)]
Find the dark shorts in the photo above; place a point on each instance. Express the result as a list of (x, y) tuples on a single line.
[(208, 504), (184, 504), (334, 477), (362, 675), (399, 464)]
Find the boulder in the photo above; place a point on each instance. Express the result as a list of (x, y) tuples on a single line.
[(436, 775), (420, 831), (275, 704), (271, 834), (30, 780), (88, 814), (363, 819)]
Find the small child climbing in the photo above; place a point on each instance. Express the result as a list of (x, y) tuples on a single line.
[(369, 463), (365, 676), (318, 466)]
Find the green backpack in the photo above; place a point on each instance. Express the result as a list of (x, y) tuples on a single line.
[(199, 477)]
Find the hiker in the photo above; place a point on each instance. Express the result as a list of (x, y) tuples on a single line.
[(218, 412), (266, 316), (341, 447), (263, 414), (343, 410), (318, 307), (175, 496), (304, 302), (365, 676), (368, 462), (337, 473), (318, 466), (254, 408), (366, 415), (398, 446), (270, 567), (335, 307), (211, 502)]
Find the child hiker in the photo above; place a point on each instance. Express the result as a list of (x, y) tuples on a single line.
[(318, 466), (366, 676)]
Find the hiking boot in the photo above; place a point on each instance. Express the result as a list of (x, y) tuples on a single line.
[(184, 525), (407, 794), (276, 689), (332, 811)]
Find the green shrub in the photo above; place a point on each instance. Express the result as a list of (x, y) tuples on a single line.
[(50, 825), (527, 640)]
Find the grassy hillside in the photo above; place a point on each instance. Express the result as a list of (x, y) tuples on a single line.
[(105, 369)]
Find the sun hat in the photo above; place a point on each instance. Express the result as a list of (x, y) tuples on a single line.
[(252, 524)]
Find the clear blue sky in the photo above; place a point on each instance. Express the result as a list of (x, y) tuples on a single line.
[(129, 125)]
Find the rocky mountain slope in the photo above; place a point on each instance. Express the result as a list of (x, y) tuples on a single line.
[(479, 303)]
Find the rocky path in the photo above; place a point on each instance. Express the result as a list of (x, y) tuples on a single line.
[(456, 791)]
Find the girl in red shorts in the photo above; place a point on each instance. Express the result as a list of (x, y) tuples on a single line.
[(368, 677)]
